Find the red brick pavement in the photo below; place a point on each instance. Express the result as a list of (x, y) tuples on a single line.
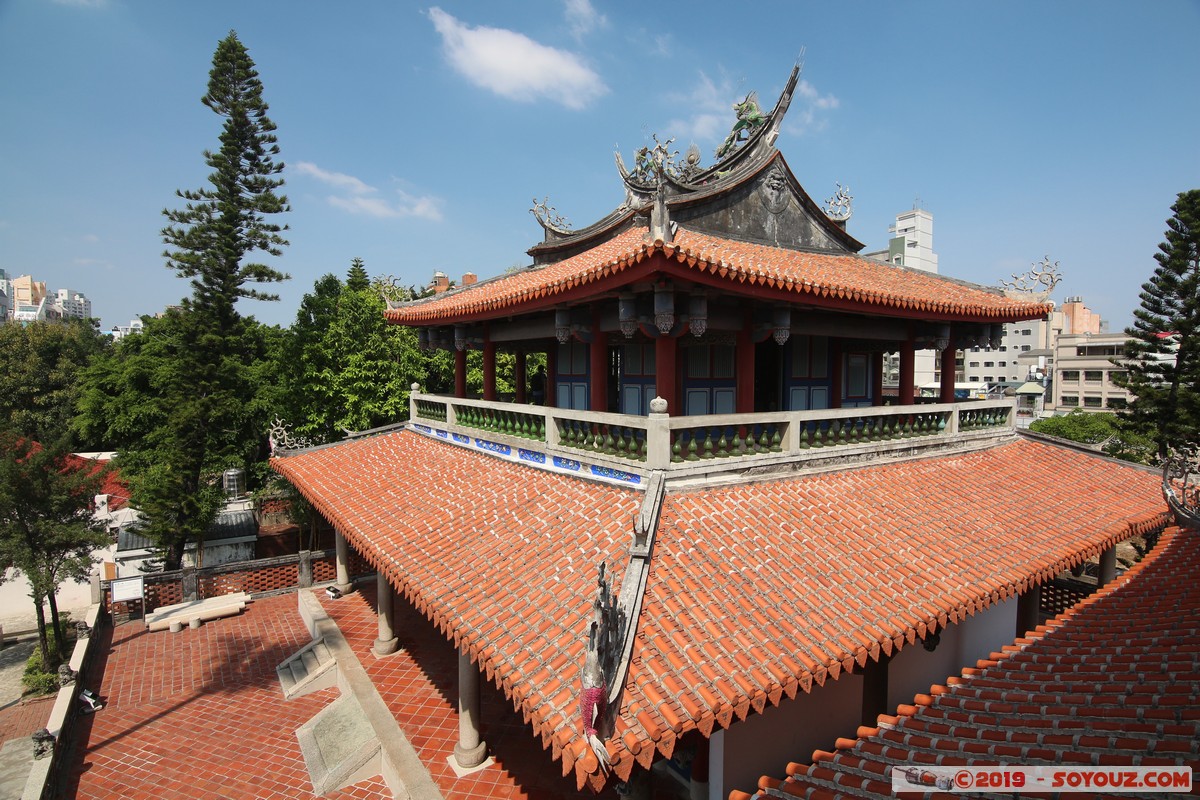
[(200, 713), (25, 718)]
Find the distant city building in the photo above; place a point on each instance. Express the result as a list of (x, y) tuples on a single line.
[(73, 304), (911, 246), (1084, 371), (42, 311), (23, 299), (119, 332), (26, 292), (1027, 349)]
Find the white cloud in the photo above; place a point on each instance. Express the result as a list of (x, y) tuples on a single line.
[(711, 107), (514, 66), (807, 105), (91, 238), (358, 197), (583, 18)]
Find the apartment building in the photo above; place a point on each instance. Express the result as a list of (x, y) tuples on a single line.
[(1084, 372)]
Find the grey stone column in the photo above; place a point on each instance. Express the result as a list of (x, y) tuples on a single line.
[(343, 584), (386, 644), (1108, 566), (470, 750)]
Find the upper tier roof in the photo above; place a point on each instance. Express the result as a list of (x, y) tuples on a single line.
[(744, 225), (820, 279)]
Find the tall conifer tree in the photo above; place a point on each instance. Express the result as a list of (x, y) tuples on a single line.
[(187, 387), (1162, 356), (222, 223)]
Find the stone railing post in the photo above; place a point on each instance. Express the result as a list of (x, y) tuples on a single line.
[(658, 436), (952, 421), (414, 390), (552, 437), (304, 576), (190, 585), (791, 437)]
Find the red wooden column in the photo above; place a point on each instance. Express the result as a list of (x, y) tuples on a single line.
[(947, 388), (665, 377), (598, 366), (460, 373), (551, 399), (745, 367), (519, 377), (489, 367), (908, 369), (835, 372), (877, 379)]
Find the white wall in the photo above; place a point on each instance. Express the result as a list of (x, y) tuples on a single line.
[(914, 669), (763, 744)]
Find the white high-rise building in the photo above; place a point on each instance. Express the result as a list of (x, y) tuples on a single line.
[(911, 246), (73, 303)]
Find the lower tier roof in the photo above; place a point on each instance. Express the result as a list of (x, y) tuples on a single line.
[(755, 591), (1114, 681)]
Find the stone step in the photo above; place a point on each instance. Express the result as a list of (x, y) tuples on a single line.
[(311, 668), (286, 679), (311, 662)]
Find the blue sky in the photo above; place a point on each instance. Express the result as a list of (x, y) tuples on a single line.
[(416, 136)]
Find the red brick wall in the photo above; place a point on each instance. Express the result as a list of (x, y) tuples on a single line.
[(252, 577), (1059, 595)]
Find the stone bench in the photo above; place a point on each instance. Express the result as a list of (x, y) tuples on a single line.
[(204, 610)]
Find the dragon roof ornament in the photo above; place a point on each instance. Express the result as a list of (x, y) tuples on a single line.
[(839, 207), (283, 441), (750, 142), (1041, 280), (605, 634), (1181, 484), (549, 218)]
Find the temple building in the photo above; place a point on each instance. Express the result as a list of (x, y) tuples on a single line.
[(701, 538)]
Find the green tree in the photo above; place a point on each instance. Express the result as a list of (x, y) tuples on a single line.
[(180, 400), (357, 279), (346, 368), (1162, 356), (1097, 429), (40, 365), (222, 224), (46, 530), (178, 419)]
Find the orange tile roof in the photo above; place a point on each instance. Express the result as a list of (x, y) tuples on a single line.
[(879, 561), (502, 557), (979, 530), (813, 278), (1113, 681)]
